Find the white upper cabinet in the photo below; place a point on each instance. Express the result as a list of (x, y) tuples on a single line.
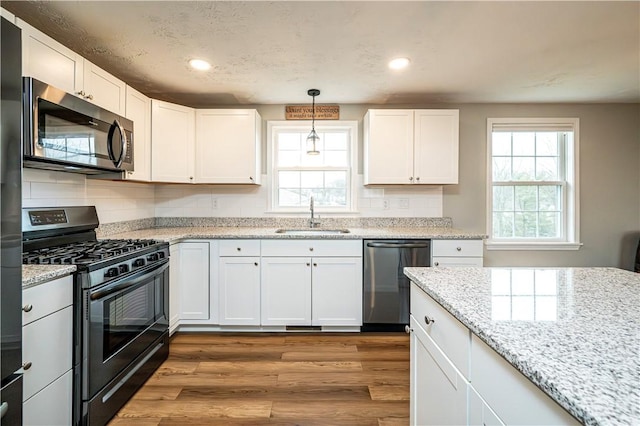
[(46, 60), (103, 89), (138, 110), (172, 142), (228, 146), (403, 146)]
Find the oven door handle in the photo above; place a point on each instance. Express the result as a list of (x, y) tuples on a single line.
[(129, 281)]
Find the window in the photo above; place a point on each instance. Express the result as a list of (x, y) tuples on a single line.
[(533, 188), (298, 176)]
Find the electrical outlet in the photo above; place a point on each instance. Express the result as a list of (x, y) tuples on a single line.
[(214, 203), (385, 204), (404, 203)]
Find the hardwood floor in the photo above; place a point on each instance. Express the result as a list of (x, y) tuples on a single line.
[(323, 379)]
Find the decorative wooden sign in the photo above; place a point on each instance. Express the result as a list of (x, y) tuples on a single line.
[(304, 112)]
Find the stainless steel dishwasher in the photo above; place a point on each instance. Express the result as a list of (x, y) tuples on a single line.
[(386, 288)]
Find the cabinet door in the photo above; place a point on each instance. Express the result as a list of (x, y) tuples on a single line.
[(438, 394), (103, 89), (172, 142), (336, 295), (436, 146), (239, 290), (194, 281), (286, 291), (388, 146), (52, 405), (479, 411), (174, 287), (228, 146), (138, 109), (47, 345), (46, 60)]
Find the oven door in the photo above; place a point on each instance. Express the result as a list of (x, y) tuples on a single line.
[(121, 319)]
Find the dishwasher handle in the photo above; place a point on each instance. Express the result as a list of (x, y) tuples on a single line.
[(398, 245)]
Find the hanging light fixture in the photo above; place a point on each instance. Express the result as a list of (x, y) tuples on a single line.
[(313, 137)]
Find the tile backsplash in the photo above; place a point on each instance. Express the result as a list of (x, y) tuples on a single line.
[(114, 201), (123, 201)]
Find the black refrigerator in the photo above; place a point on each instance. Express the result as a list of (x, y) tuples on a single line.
[(10, 223)]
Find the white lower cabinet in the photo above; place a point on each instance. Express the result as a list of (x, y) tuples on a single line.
[(47, 352), (460, 380), (453, 253), (193, 280), (239, 290), (174, 287), (311, 282), (286, 291), (438, 391)]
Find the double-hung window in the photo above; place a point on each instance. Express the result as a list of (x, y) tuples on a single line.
[(532, 192), (297, 176)]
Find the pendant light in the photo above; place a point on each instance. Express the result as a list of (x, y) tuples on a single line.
[(313, 137)]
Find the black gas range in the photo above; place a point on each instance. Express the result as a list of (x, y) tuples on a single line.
[(121, 302)]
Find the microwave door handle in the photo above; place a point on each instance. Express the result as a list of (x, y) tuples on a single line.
[(128, 281), (123, 143)]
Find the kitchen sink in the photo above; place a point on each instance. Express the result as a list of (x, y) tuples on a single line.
[(312, 231)]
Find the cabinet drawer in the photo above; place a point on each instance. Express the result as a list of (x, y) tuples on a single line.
[(456, 261), (46, 298), (47, 344), (448, 333), (313, 248), (52, 405), (239, 247), (453, 248)]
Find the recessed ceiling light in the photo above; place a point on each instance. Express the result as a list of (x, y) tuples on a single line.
[(399, 63), (199, 64)]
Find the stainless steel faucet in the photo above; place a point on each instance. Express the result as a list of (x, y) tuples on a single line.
[(312, 222)]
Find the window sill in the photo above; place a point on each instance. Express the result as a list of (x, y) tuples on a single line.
[(493, 245)]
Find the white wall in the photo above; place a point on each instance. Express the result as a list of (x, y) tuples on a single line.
[(114, 201)]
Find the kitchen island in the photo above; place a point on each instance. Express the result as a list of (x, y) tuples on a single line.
[(573, 332)]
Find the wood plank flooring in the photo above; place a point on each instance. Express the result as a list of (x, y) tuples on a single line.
[(352, 379)]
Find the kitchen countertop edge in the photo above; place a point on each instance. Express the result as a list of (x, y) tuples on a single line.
[(33, 275)]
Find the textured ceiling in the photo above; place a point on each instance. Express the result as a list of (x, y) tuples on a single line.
[(272, 52)]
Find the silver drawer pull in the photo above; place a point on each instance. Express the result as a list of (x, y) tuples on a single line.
[(436, 264), (310, 248), (459, 248), (239, 249), (27, 308), (407, 329), (428, 320), (26, 365)]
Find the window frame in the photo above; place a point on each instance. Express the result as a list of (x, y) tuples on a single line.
[(570, 221), (273, 126)]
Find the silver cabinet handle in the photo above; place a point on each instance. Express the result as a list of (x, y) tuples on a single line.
[(310, 248), (418, 179), (459, 248), (407, 329), (436, 264), (255, 263), (411, 179), (308, 264), (428, 320), (251, 178), (315, 264), (27, 308), (238, 248), (27, 365), (90, 97), (81, 93)]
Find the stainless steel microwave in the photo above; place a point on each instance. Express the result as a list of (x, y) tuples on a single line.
[(64, 132)]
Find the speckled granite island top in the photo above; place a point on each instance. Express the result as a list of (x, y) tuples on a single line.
[(574, 332), (212, 232)]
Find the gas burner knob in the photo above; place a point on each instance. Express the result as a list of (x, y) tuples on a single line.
[(152, 257), (111, 272), (123, 268), (161, 254), (138, 263)]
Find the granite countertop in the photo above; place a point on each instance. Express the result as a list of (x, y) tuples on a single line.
[(37, 274), (172, 234), (574, 332)]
